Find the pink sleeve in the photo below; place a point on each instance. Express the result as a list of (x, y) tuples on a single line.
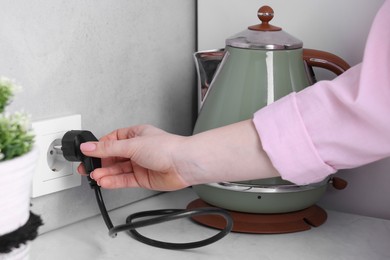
[(338, 124)]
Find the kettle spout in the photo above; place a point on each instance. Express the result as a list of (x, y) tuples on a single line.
[(207, 64)]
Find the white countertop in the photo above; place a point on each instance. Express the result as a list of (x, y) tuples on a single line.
[(342, 236)]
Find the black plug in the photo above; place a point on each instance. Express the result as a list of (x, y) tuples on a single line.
[(71, 142)]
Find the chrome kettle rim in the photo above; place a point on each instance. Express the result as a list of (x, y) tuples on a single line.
[(267, 188)]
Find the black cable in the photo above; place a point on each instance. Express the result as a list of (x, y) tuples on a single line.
[(159, 216), (102, 207), (71, 142)]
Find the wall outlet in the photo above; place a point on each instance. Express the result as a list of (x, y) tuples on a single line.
[(53, 172)]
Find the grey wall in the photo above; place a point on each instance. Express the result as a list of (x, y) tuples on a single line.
[(117, 63), (340, 27)]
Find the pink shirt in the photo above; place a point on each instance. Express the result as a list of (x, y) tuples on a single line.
[(338, 124)]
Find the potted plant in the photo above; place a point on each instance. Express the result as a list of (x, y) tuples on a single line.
[(18, 157)]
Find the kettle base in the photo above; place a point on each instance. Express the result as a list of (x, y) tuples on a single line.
[(302, 220)]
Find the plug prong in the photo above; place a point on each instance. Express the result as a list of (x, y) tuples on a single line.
[(58, 149)]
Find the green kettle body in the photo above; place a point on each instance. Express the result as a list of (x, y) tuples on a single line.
[(247, 81)]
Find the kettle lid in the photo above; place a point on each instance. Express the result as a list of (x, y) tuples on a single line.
[(264, 36)]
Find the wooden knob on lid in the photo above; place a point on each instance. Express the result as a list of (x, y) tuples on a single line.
[(265, 14)]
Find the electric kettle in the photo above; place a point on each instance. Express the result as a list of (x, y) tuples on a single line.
[(257, 66)]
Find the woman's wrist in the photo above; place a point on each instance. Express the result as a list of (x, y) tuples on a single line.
[(229, 153)]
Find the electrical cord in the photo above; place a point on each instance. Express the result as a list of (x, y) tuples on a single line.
[(160, 216), (70, 146)]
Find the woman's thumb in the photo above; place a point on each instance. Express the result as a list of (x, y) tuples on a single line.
[(108, 148), (88, 147)]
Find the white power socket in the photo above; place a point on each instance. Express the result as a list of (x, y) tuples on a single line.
[(53, 172)]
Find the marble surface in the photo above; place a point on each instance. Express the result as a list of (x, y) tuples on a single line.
[(342, 236)]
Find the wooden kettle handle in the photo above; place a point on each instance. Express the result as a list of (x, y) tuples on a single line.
[(326, 60)]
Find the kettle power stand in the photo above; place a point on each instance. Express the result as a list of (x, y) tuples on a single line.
[(71, 142)]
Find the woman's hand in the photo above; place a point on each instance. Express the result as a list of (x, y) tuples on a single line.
[(139, 156)]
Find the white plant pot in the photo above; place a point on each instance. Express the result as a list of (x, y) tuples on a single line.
[(15, 195)]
